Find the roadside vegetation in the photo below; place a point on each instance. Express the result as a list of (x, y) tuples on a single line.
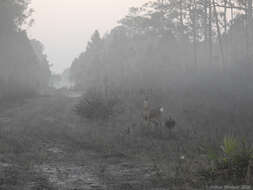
[(194, 59), (189, 60), (188, 156)]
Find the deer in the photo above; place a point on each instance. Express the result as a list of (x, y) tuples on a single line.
[(153, 115)]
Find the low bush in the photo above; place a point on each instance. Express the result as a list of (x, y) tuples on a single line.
[(230, 165), (94, 105)]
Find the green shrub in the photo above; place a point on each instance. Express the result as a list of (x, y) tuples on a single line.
[(231, 162), (230, 146), (94, 105)]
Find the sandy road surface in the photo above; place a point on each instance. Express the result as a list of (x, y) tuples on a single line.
[(44, 122)]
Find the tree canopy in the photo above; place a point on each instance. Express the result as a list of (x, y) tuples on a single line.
[(167, 40), (24, 68)]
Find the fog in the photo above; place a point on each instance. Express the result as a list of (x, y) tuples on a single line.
[(97, 95), (73, 22)]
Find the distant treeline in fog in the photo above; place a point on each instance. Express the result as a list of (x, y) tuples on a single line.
[(172, 42), (24, 68)]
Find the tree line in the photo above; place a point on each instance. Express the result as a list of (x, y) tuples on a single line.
[(166, 41), (24, 68)]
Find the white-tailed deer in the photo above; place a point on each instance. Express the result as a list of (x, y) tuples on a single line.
[(153, 115)]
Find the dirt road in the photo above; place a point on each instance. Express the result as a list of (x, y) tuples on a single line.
[(44, 128)]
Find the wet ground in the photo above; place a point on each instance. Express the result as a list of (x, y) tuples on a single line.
[(67, 167), (94, 172)]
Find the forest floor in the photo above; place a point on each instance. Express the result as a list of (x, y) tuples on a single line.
[(38, 150)]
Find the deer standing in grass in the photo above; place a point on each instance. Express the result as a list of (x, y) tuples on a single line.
[(153, 115)]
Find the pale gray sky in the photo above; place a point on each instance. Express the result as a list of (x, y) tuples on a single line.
[(65, 26)]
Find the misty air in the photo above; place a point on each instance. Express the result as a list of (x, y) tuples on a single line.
[(126, 95)]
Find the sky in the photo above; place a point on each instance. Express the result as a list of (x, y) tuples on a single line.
[(65, 26)]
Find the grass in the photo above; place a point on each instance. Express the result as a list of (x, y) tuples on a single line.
[(51, 120), (201, 124)]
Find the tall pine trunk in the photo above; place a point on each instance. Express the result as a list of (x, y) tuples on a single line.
[(225, 16), (210, 41), (205, 20), (248, 13), (181, 12), (232, 11), (194, 34), (249, 10), (219, 33)]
